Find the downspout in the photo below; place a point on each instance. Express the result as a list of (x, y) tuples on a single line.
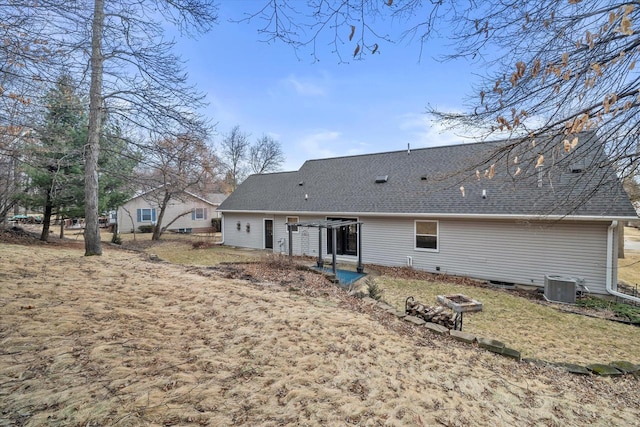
[(222, 229), (609, 278)]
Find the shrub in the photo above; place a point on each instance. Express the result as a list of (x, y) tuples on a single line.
[(202, 245), (375, 291), (145, 228), (278, 261), (216, 224)]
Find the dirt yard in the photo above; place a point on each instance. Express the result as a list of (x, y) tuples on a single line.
[(121, 340)]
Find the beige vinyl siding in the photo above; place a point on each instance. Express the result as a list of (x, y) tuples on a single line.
[(508, 251), (127, 215), (502, 250), (305, 241), (254, 238)]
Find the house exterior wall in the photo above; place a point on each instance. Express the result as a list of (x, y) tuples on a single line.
[(508, 251), (254, 238), (128, 221), (503, 250)]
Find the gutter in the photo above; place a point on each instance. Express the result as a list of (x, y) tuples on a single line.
[(609, 277), (439, 215), (222, 228)]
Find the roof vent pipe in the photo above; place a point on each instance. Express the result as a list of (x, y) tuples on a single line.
[(484, 194), (408, 148)]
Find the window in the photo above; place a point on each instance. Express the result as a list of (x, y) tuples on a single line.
[(199, 213), (291, 220), (426, 235), (146, 215)]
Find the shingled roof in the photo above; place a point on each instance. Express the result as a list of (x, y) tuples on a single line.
[(448, 181)]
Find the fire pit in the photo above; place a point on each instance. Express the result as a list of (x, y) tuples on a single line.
[(459, 304)]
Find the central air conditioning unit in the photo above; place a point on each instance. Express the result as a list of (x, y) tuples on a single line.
[(560, 288)]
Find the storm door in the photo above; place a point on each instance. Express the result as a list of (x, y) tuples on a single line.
[(268, 234)]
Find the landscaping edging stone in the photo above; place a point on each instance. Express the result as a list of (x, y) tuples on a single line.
[(415, 320), (462, 336), (603, 370), (512, 354), (438, 329), (494, 346), (626, 367), (613, 369), (572, 368)]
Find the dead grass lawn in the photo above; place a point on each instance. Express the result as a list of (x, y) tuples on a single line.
[(629, 268), (632, 233), (537, 330), (118, 340)]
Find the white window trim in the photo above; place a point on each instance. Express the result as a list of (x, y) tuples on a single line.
[(297, 220), (195, 214), (415, 234), (142, 220)]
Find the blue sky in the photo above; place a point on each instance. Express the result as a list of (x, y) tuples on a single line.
[(324, 108)]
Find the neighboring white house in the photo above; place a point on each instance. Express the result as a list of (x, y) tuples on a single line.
[(193, 212), (513, 219)]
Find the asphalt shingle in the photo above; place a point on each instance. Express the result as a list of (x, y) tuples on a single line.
[(431, 181)]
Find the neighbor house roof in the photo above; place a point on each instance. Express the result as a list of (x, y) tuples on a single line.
[(449, 181), (215, 201)]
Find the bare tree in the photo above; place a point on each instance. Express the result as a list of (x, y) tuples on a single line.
[(553, 72), (566, 69), (352, 29), (119, 51), (235, 147), (12, 178), (265, 155), (240, 157), (176, 166)]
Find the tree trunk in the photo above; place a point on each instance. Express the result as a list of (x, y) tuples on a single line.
[(46, 219), (92, 242), (61, 227), (157, 231), (114, 230)]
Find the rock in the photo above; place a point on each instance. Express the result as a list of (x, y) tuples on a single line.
[(369, 300), (511, 353), (383, 305), (491, 345), (625, 367), (537, 362), (572, 368), (438, 329), (603, 370), (462, 336), (399, 314), (415, 320)]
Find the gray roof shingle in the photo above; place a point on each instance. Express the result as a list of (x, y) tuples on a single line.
[(429, 180)]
